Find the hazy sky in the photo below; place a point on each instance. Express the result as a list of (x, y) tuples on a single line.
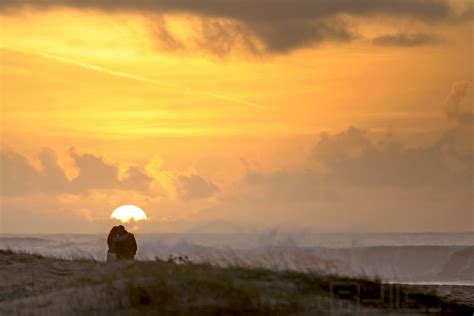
[(237, 115)]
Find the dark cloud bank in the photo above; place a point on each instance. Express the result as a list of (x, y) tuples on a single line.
[(349, 158), (279, 25), (352, 159), (257, 11), (18, 177)]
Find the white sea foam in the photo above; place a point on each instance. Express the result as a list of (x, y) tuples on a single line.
[(434, 258)]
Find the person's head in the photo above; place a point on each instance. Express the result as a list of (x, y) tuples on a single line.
[(113, 233), (121, 230), (114, 230)]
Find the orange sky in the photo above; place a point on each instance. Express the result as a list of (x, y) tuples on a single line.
[(203, 114)]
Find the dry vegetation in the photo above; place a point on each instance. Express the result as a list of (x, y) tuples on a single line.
[(32, 284)]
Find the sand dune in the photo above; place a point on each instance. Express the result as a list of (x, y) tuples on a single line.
[(35, 285)]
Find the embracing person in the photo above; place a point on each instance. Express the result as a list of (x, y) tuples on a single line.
[(122, 244)]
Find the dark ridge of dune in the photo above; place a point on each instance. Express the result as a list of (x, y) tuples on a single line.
[(37, 285)]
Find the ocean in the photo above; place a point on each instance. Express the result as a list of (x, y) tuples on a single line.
[(414, 258)]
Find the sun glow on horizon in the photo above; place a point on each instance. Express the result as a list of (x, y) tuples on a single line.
[(126, 213)]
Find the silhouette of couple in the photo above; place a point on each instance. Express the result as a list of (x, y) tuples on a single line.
[(122, 244)]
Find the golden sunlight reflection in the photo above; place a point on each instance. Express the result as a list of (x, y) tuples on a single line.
[(126, 213)]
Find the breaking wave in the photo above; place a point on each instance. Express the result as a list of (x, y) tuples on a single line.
[(395, 260)]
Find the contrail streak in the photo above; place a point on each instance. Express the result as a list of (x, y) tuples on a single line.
[(134, 77)]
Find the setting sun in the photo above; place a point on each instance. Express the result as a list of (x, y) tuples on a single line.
[(126, 213)]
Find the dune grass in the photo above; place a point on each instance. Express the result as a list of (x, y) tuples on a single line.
[(166, 287)]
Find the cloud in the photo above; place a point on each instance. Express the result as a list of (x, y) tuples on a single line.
[(454, 101), (294, 34), (221, 36), (136, 180), (249, 10), (405, 40), (353, 159), (279, 25), (20, 178), (52, 178), (166, 40), (195, 187), (16, 174), (94, 172)]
